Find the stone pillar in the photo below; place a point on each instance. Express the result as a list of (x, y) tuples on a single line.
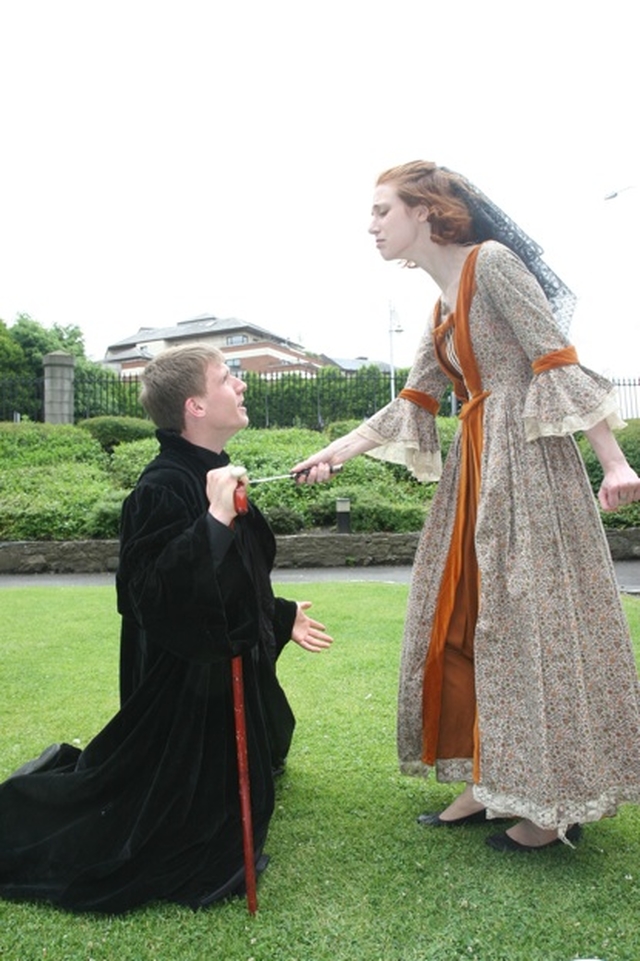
[(58, 387)]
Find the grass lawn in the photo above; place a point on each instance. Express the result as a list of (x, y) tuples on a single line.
[(352, 876)]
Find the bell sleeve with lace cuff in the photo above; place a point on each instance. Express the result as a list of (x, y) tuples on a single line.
[(405, 431), (563, 396), (566, 399)]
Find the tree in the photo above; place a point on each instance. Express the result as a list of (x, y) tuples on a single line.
[(12, 359), (71, 339), (35, 342), (18, 391)]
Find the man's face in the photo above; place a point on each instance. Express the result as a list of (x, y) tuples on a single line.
[(223, 402)]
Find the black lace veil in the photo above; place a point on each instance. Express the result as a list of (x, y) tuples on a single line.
[(491, 223)]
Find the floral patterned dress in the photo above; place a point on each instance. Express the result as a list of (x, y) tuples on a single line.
[(517, 670)]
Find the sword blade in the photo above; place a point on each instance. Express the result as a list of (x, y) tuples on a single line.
[(274, 477), (289, 476)]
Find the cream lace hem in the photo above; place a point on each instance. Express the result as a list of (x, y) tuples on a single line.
[(424, 465), (556, 817), (606, 410)]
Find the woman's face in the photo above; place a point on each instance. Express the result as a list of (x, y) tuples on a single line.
[(396, 227)]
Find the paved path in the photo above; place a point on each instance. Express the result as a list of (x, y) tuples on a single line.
[(627, 572)]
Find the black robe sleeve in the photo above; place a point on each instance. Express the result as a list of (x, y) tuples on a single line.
[(168, 582)]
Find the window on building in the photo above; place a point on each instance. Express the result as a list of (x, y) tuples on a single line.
[(236, 339), (234, 365)]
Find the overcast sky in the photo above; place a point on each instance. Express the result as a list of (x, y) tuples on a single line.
[(165, 159)]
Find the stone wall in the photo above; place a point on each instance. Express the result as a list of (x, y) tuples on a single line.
[(300, 550)]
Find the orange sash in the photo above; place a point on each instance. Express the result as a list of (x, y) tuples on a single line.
[(555, 358), (461, 579), (418, 397)]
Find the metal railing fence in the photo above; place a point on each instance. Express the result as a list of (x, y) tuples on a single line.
[(21, 397), (294, 399), (628, 396), (101, 393)]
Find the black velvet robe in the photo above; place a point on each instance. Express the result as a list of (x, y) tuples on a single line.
[(150, 809)]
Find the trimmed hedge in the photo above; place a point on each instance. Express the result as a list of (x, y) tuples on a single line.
[(291, 508), (41, 504), (112, 431), (39, 445), (128, 461), (82, 497)]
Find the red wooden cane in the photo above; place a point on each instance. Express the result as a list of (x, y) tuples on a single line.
[(244, 784)]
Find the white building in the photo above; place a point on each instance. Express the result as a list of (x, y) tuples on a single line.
[(246, 347)]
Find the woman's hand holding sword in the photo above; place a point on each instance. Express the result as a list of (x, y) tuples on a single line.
[(240, 500)]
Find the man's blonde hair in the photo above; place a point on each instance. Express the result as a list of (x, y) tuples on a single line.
[(173, 376)]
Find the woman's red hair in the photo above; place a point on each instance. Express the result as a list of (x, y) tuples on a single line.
[(424, 183)]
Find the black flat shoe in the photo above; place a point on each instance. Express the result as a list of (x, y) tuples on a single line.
[(502, 842), (433, 820)]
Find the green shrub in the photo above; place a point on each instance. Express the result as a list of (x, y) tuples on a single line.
[(82, 497), (284, 520), (338, 429), (363, 477), (32, 445), (447, 427), (290, 507), (273, 451), (112, 431), (128, 461), (370, 514), (103, 518), (370, 511), (626, 517), (39, 504)]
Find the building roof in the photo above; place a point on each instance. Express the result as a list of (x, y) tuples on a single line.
[(135, 353), (196, 327), (357, 363)]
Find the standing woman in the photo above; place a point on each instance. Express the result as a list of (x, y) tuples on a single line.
[(517, 672)]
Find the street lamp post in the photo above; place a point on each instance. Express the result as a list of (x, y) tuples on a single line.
[(394, 328)]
